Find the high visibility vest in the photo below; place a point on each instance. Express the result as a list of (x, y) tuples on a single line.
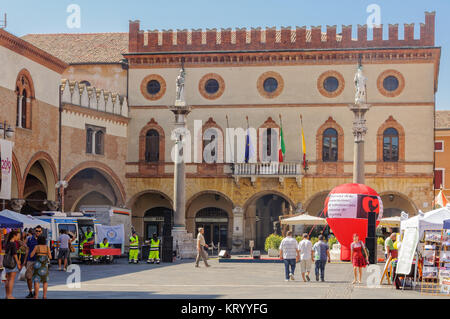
[(102, 245), (134, 242), (87, 236), (154, 245)]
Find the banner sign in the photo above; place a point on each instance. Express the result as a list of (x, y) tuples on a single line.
[(114, 234), (6, 168), (407, 250), (353, 206)]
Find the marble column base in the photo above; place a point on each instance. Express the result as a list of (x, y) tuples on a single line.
[(185, 241)]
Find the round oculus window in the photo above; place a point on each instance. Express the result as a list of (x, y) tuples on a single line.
[(270, 85), (331, 84), (391, 83), (212, 86), (153, 87)]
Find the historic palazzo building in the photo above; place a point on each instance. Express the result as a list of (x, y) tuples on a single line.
[(116, 147)]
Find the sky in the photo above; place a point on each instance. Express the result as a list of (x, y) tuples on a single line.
[(50, 16)]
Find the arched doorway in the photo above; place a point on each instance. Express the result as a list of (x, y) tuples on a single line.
[(394, 203), (214, 210), (90, 186), (315, 204), (215, 223), (158, 220), (151, 212), (39, 186)]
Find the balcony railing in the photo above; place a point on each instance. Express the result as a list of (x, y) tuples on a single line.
[(271, 169)]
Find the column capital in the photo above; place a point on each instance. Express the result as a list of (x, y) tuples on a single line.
[(237, 210)]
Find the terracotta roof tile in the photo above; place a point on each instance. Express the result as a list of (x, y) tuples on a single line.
[(82, 47)]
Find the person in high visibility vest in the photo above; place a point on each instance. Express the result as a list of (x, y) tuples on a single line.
[(154, 250), (134, 248), (104, 243), (88, 234)]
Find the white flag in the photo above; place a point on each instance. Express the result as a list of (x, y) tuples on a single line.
[(114, 234), (6, 168)]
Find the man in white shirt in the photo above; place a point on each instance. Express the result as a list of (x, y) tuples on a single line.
[(290, 255), (201, 245), (306, 256)]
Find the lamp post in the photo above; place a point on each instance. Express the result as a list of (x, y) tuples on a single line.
[(61, 185), (7, 132)]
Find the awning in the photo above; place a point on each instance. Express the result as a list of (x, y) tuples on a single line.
[(304, 219), (447, 224), (6, 222), (390, 221), (28, 221)]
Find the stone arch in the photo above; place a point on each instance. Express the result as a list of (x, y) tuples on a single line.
[(107, 173), (314, 204), (144, 201), (209, 199), (152, 125), (268, 192), (107, 200), (399, 202), (51, 175)]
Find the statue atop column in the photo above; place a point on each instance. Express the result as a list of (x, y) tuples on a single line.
[(360, 84), (180, 85)]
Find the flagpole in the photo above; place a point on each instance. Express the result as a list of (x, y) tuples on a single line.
[(228, 139)]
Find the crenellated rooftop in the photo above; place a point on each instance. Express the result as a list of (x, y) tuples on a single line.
[(285, 38), (90, 97)]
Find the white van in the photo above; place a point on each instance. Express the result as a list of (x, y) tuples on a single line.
[(74, 223)]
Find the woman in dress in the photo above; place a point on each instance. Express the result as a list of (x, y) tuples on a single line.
[(358, 259), (11, 249), (40, 272)]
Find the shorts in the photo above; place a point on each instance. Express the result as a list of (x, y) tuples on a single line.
[(8, 271), (30, 269), (63, 253), (305, 265)]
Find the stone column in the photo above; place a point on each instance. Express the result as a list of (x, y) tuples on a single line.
[(359, 131), (238, 230)]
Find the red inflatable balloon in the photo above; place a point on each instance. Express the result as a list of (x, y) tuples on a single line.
[(346, 209)]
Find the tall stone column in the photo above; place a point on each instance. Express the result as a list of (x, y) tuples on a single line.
[(359, 131)]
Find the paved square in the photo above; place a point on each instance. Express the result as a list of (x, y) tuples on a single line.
[(223, 280)]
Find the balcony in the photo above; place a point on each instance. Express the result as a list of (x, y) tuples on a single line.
[(267, 170)]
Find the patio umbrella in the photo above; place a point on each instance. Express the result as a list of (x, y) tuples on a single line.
[(390, 221), (304, 219), (6, 222)]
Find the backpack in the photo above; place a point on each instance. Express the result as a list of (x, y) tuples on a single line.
[(9, 261)]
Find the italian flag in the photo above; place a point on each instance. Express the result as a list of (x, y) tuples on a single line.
[(282, 149)]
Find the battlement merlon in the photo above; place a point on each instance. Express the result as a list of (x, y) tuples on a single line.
[(278, 39)]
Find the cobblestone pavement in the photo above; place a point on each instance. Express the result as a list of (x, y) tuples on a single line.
[(222, 280)]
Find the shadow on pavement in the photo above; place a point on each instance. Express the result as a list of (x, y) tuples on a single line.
[(74, 294)]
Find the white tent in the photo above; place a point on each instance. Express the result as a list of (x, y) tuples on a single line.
[(28, 221), (304, 219), (432, 220)]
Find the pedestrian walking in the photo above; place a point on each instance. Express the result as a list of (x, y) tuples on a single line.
[(11, 262), (321, 255), (201, 245), (63, 251), (290, 255), (40, 271), (31, 243), (306, 256), (358, 260)]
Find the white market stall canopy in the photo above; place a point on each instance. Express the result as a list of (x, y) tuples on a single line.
[(304, 219), (28, 221), (433, 220), (390, 221)]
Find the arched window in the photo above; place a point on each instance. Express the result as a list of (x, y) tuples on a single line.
[(24, 109), (390, 145), (89, 133), (210, 137), (25, 96), (152, 146), (99, 142), (330, 145), (269, 142)]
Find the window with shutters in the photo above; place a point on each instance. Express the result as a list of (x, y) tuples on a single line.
[(439, 178), (152, 146)]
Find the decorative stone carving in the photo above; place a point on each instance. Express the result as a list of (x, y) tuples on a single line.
[(17, 204)]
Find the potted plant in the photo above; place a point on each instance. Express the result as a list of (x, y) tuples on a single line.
[(272, 245)]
